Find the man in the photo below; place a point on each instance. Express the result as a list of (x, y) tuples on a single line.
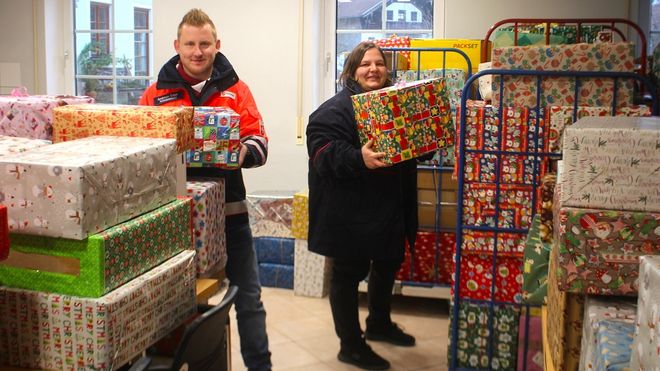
[(199, 75)]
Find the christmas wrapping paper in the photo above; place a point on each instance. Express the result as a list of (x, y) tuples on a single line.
[(432, 260), (454, 81), (560, 117), (10, 145), (477, 278), (4, 233), (104, 261), (276, 275), (271, 213), (613, 345), (217, 138), (311, 272), (405, 121), (208, 218), (519, 134), (521, 90), (599, 313), (508, 244), (300, 217), (276, 250), (599, 250), (53, 331), (534, 359), (80, 121), (515, 205), (646, 345), (77, 188), (32, 116), (612, 163), (535, 268), (565, 317), (545, 212), (395, 41), (474, 336)]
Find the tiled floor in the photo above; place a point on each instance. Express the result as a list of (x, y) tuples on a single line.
[(302, 335)]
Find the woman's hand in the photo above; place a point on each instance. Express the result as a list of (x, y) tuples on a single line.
[(371, 158)]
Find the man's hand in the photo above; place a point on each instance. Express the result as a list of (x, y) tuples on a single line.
[(241, 155), (371, 158)]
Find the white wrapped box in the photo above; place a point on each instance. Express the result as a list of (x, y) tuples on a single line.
[(596, 310), (311, 272), (51, 331), (9, 145), (646, 344), (612, 163), (208, 219), (81, 187)]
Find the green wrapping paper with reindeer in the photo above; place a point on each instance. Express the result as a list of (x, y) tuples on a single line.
[(612, 163)]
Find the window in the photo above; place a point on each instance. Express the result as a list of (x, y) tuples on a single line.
[(654, 32), (113, 41), (141, 19), (99, 23), (360, 20)]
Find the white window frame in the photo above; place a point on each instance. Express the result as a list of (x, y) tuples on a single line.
[(112, 32), (328, 54)]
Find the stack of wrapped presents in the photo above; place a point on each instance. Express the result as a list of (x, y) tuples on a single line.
[(312, 272), (101, 252), (271, 214), (606, 238)]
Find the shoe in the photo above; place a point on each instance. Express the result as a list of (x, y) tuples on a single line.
[(392, 334), (364, 358)]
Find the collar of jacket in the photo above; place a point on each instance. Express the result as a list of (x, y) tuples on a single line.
[(355, 88), (222, 77)]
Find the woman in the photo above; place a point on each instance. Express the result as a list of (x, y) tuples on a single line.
[(361, 211)]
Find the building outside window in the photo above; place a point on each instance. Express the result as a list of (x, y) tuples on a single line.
[(654, 33), (113, 42), (361, 20)]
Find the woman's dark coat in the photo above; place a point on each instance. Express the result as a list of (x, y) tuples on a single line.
[(354, 211)]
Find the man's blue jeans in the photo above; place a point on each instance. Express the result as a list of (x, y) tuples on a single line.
[(242, 271)]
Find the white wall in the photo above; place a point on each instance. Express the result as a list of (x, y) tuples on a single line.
[(17, 46), (472, 18), (260, 38)]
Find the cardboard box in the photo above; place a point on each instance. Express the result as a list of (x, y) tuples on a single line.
[(426, 215), (81, 187), (300, 219), (104, 261), (401, 61), (430, 179), (433, 59), (311, 272)]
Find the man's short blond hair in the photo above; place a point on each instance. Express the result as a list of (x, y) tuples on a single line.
[(197, 18)]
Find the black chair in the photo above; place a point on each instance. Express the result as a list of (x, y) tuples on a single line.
[(204, 342)]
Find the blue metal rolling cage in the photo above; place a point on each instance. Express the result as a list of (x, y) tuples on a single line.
[(440, 55), (534, 151)]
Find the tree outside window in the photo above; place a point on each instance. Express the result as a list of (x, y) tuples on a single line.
[(361, 20), (113, 41)]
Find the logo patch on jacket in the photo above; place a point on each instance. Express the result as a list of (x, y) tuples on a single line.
[(228, 94), (168, 98)]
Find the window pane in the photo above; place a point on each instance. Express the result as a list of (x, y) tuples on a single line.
[(360, 15), (129, 91), (91, 56), (411, 15), (99, 89)]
